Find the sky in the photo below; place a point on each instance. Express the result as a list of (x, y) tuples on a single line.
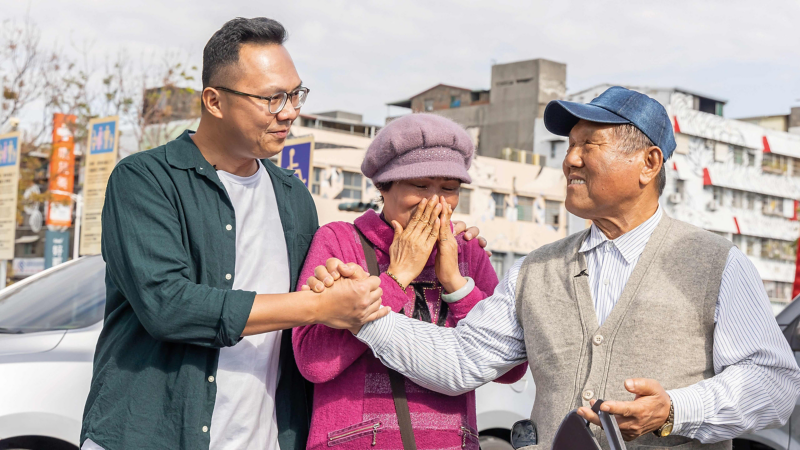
[(357, 56)]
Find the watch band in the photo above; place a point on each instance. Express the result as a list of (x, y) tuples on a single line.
[(666, 429)]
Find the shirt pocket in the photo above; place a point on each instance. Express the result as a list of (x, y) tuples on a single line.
[(367, 428)]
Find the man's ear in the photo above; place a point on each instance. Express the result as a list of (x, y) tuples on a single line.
[(653, 160), (211, 101)]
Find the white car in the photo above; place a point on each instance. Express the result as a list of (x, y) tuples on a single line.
[(49, 325)]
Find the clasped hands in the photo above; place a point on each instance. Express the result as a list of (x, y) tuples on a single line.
[(411, 247), (645, 414)]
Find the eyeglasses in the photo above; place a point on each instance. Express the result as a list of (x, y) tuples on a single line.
[(276, 102)]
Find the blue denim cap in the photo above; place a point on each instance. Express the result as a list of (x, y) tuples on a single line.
[(615, 105)]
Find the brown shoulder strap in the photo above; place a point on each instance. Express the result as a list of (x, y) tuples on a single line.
[(397, 381)]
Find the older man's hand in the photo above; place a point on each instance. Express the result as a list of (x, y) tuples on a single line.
[(645, 414)]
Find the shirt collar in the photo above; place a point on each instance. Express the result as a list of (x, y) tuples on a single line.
[(631, 244), (182, 153)]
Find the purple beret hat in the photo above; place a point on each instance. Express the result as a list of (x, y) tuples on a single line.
[(418, 146)]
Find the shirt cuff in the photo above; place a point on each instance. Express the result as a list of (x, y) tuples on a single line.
[(236, 309), (687, 405), (378, 333), (461, 293)]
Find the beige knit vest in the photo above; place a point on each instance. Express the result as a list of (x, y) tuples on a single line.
[(662, 326)]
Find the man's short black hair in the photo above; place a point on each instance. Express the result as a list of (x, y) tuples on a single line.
[(222, 50)]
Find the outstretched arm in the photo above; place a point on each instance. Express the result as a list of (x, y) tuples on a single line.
[(484, 345)]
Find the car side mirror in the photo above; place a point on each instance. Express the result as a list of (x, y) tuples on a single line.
[(792, 334), (523, 434)]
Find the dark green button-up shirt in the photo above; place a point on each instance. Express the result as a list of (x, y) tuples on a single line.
[(170, 304)]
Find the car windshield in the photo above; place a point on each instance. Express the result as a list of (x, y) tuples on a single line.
[(67, 297)]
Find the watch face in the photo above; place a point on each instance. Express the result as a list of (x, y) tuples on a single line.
[(667, 430)]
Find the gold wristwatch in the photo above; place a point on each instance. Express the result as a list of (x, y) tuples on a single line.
[(666, 429)]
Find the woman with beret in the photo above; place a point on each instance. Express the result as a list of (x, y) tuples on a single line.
[(418, 163)]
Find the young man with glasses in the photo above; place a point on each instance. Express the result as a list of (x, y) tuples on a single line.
[(204, 239)]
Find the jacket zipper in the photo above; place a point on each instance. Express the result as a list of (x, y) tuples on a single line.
[(464, 432), (360, 430)]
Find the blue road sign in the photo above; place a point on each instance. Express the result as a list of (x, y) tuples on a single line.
[(9, 151), (103, 137), (298, 156)]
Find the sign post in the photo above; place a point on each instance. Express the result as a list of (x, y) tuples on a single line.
[(298, 155), (101, 157), (9, 185)]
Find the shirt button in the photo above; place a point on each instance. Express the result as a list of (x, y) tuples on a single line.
[(606, 282), (597, 340), (211, 379), (588, 394), (228, 227), (205, 429), (227, 276)]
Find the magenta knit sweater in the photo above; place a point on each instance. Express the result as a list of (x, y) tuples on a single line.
[(353, 406)]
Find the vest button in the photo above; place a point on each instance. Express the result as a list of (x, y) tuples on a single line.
[(588, 394), (597, 340)]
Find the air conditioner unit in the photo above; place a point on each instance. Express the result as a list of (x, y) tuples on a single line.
[(712, 205), (675, 197)]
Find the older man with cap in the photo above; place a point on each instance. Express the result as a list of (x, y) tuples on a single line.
[(667, 322)]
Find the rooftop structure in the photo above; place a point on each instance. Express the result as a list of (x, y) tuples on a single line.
[(506, 120)]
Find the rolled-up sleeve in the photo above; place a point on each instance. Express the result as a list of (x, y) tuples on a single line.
[(148, 262)]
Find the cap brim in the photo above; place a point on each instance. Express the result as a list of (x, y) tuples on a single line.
[(560, 116), (423, 170)]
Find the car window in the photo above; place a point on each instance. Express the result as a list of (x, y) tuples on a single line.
[(67, 297)]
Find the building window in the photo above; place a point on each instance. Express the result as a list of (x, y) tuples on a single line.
[(718, 193), (796, 167), (428, 104), (777, 164), (737, 199), (525, 209), (778, 291), (316, 176), (499, 262), (552, 212), (750, 246), (464, 200), (750, 200), (455, 101), (778, 250), (772, 206), (553, 148), (751, 157), (739, 156), (499, 204), (352, 186)]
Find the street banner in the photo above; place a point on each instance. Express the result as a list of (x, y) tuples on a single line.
[(9, 185), (298, 155), (56, 247), (62, 172), (101, 157)]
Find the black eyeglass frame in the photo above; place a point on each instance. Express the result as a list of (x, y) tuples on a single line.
[(285, 97)]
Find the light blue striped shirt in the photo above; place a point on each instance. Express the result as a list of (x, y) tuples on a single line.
[(757, 380)]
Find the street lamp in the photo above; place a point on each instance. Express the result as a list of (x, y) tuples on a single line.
[(78, 199)]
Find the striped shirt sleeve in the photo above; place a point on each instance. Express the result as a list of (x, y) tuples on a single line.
[(484, 345), (757, 380)]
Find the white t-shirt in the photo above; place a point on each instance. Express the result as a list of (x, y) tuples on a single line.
[(247, 374)]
